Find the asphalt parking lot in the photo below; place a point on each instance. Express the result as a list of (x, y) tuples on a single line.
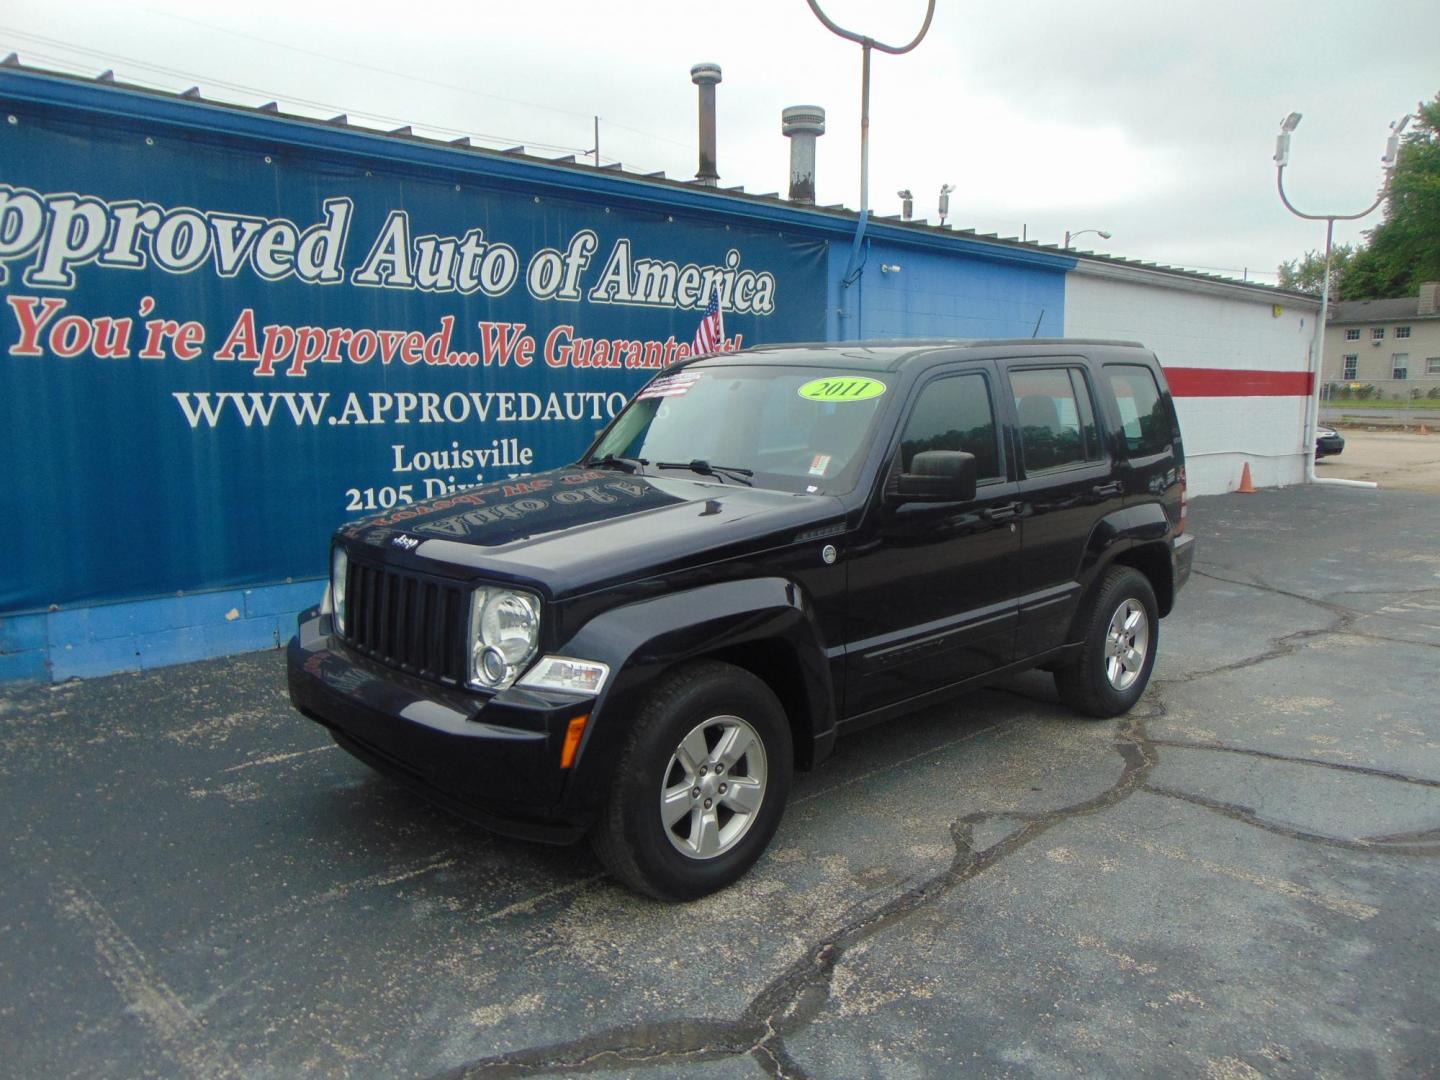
[(1237, 880)]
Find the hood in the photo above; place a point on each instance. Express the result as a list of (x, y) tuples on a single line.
[(573, 529)]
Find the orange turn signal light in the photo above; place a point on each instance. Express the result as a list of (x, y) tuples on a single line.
[(572, 740)]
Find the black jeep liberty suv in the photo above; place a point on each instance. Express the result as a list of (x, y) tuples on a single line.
[(764, 550)]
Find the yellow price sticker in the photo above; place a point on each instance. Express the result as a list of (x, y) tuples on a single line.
[(842, 388)]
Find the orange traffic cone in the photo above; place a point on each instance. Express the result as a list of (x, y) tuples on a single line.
[(1246, 487)]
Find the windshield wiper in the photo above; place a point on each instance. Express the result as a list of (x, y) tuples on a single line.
[(704, 468), (624, 464)]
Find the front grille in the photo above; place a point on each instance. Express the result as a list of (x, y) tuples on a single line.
[(409, 621)]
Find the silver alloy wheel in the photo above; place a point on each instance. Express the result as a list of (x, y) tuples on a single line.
[(712, 789), (1126, 644)]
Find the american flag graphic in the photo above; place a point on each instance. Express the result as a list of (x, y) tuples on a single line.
[(711, 334)]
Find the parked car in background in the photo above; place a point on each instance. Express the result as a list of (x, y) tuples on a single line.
[(1328, 441), (764, 550)]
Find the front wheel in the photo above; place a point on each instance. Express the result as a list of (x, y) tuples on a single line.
[(700, 785), (1120, 634)]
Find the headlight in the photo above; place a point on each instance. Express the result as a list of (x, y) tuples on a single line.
[(504, 633), (339, 568)]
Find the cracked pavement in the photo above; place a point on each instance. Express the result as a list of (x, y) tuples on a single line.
[(1235, 880)]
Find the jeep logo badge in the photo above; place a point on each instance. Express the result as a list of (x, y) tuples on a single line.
[(406, 543)]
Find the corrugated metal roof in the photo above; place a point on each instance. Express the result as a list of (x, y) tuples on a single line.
[(921, 227)]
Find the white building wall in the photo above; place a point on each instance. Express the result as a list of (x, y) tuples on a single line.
[(1196, 328)]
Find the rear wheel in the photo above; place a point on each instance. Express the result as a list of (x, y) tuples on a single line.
[(1120, 631), (700, 785)]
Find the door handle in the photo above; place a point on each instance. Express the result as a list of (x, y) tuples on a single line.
[(1115, 487), (1001, 513)]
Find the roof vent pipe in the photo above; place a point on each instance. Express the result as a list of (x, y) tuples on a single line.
[(705, 76), (802, 124)]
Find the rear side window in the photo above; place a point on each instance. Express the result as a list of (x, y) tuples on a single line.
[(954, 414), (1056, 419), (1143, 417)]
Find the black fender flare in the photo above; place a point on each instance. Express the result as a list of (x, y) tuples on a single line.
[(1114, 534), (643, 640)]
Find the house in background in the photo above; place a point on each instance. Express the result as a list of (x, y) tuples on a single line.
[(1390, 345)]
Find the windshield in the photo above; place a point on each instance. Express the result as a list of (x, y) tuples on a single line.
[(790, 428)]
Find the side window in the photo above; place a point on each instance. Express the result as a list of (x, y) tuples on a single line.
[(955, 414), (1143, 416), (1056, 418)]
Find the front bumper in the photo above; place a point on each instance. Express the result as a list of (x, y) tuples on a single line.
[(494, 761)]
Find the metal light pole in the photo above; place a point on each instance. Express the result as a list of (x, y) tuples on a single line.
[(866, 44), (1282, 158), (1098, 232)]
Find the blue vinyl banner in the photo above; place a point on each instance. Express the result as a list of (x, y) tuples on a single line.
[(211, 355)]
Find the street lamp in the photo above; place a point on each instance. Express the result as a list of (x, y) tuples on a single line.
[(854, 267), (1282, 158), (1098, 232), (866, 44), (1282, 141)]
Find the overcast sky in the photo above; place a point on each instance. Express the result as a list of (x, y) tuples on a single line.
[(1152, 120)]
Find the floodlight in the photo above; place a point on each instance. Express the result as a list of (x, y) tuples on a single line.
[(1392, 144)]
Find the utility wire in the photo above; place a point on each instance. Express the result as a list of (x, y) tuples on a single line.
[(353, 63), (115, 58), (650, 135), (1234, 270), (350, 62)]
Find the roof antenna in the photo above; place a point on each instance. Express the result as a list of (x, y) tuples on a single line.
[(1036, 331)]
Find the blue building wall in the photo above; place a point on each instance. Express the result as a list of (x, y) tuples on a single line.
[(144, 542), (935, 295), (139, 635), (903, 290)]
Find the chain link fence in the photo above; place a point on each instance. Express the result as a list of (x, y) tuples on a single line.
[(1420, 390)]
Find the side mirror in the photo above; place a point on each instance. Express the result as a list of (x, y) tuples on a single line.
[(938, 476)]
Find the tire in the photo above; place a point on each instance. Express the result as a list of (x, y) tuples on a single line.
[(672, 832), (1101, 681)]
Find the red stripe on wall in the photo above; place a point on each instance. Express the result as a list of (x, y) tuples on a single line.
[(1233, 382)]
